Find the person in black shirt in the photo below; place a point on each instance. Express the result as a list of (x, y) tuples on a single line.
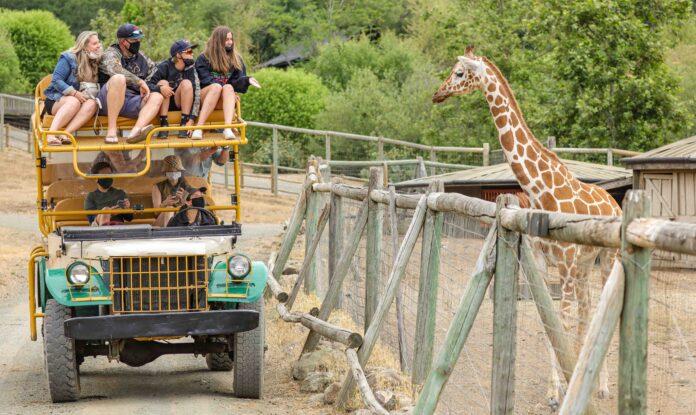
[(177, 77), (194, 213), (221, 72), (106, 197)]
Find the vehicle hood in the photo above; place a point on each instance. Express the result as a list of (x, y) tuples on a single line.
[(149, 247)]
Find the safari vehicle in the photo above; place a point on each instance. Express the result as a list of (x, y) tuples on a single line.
[(134, 292)]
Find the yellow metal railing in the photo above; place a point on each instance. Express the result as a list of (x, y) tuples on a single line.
[(37, 252)]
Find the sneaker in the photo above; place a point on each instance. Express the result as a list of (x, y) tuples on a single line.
[(230, 133), (197, 135), (182, 134)]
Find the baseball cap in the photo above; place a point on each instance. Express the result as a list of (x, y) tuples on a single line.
[(180, 46), (129, 31)]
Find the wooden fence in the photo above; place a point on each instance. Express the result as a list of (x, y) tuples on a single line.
[(506, 250)]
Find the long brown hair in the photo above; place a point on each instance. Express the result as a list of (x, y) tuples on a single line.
[(221, 60), (87, 69)]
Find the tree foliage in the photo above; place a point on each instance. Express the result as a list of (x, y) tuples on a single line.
[(11, 78), (38, 38)]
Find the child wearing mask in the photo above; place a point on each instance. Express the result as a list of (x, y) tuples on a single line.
[(177, 78), (171, 191)]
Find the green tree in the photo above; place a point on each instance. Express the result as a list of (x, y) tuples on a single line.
[(11, 79), (75, 13), (612, 85), (38, 38)]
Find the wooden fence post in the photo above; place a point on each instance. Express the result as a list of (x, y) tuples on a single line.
[(610, 157), (427, 291), (395, 277), (335, 235), (3, 136), (433, 158), (505, 315), (459, 328), (486, 154), (311, 222), (339, 275), (400, 324), (327, 147), (380, 148), (274, 165), (373, 247), (633, 349), (294, 226), (596, 344)]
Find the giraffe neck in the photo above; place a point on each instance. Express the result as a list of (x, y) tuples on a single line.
[(538, 170)]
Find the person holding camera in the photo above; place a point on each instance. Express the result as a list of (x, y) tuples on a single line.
[(106, 197), (172, 191)]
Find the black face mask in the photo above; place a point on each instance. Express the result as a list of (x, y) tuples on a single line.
[(188, 62), (134, 48), (198, 202), (229, 48), (105, 183)]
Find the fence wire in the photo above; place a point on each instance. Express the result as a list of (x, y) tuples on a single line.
[(672, 321)]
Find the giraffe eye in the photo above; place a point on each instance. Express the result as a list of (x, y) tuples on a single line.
[(459, 74)]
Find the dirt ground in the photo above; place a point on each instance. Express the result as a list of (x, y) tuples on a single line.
[(170, 384)]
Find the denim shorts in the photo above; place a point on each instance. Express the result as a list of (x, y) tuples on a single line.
[(131, 103)]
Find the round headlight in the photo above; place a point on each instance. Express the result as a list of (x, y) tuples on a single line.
[(78, 273), (238, 266)]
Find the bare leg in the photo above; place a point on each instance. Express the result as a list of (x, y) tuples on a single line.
[(148, 111), (183, 97), (228, 101), (115, 96), (163, 219), (87, 111), (164, 108), (210, 95), (64, 110)]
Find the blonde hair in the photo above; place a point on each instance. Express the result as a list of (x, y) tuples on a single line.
[(221, 60), (87, 69)]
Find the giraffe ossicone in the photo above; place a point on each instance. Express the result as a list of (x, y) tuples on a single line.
[(547, 183)]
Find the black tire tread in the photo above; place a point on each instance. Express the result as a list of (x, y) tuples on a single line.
[(59, 352), (219, 362), (248, 356)]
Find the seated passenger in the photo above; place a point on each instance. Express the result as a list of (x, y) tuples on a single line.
[(177, 77), (106, 197), (221, 72), (171, 191), (122, 73), (194, 213), (198, 161), (64, 99)]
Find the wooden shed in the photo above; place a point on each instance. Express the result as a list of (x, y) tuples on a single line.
[(668, 174), (488, 182)]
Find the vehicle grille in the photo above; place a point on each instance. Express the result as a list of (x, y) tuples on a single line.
[(156, 284)]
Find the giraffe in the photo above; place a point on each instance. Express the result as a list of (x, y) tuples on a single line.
[(547, 183)]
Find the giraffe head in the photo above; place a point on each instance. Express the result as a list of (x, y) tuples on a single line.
[(466, 76)]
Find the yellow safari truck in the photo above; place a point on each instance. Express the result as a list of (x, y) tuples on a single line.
[(135, 291)]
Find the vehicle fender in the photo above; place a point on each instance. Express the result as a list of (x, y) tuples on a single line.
[(57, 287), (219, 289)]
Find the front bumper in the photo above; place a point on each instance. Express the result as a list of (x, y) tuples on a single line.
[(198, 323)]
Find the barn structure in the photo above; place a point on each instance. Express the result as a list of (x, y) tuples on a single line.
[(668, 174), (490, 181)]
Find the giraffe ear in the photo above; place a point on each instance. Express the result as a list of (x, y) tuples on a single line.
[(468, 62), (469, 52)]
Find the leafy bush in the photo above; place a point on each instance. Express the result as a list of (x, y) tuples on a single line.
[(293, 97), (38, 38), (11, 79)]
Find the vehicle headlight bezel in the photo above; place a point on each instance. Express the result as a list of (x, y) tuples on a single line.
[(238, 266), (72, 273)]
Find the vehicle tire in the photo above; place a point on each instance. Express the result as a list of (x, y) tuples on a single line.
[(59, 355), (248, 356), (219, 362)]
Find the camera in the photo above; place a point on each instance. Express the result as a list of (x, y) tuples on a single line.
[(121, 204)]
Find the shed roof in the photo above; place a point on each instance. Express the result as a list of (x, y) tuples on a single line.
[(682, 151), (502, 174)]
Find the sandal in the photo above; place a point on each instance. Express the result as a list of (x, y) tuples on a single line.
[(52, 140), (111, 139), (141, 135), (64, 139)]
